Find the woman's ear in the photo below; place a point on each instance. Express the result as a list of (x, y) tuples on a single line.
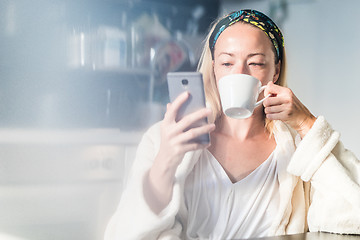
[(277, 72)]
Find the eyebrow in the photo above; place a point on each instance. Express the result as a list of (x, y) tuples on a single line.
[(249, 55), (226, 53), (255, 54)]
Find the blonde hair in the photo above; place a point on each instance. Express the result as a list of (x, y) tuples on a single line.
[(205, 66)]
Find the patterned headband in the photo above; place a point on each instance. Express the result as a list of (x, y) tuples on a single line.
[(255, 18)]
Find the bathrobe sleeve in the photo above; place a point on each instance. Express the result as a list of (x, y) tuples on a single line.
[(133, 218), (334, 176)]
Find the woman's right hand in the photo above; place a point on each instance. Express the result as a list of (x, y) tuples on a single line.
[(175, 142)]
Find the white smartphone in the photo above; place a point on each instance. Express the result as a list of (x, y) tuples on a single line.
[(179, 82)]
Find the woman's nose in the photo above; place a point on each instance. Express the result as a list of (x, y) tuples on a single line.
[(241, 69)]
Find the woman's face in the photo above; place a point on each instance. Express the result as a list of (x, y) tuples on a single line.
[(243, 48)]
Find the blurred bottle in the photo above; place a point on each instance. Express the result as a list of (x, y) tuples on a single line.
[(80, 47), (111, 48)]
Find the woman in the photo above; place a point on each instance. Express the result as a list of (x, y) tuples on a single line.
[(281, 171)]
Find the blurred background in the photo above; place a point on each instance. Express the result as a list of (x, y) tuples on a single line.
[(80, 82)]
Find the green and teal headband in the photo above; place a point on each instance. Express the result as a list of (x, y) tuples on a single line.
[(255, 18)]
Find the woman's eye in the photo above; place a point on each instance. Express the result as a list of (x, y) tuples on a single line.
[(256, 64), (226, 64)]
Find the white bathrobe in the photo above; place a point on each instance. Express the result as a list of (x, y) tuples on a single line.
[(319, 187)]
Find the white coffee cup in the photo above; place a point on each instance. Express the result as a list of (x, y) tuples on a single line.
[(238, 94)]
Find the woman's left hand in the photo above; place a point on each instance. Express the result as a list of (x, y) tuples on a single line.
[(285, 106)]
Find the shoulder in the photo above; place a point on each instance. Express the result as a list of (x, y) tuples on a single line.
[(152, 136), (153, 130)]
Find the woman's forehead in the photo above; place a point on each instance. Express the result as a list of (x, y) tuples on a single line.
[(243, 37)]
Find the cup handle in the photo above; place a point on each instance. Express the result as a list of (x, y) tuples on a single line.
[(260, 90)]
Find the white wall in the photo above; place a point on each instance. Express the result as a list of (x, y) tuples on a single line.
[(322, 45)]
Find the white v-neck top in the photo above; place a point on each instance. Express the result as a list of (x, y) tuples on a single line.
[(220, 209)]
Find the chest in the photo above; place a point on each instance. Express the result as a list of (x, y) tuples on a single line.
[(240, 158), (219, 209)]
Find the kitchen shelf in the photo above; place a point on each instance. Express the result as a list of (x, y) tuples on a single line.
[(119, 71)]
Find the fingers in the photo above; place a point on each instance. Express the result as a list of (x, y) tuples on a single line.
[(173, 108), (271, 89), (189, 119), (279, 115), (175, 138), (193, 133), (280, 105), (285, 106), (278, 95), (188, 128), (175, 142), (180, 133), (273, 101), (273, 109)]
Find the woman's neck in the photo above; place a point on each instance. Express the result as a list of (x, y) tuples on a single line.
[(242, 129)]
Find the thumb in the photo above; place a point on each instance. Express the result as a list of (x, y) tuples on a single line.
[(168, 106)]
